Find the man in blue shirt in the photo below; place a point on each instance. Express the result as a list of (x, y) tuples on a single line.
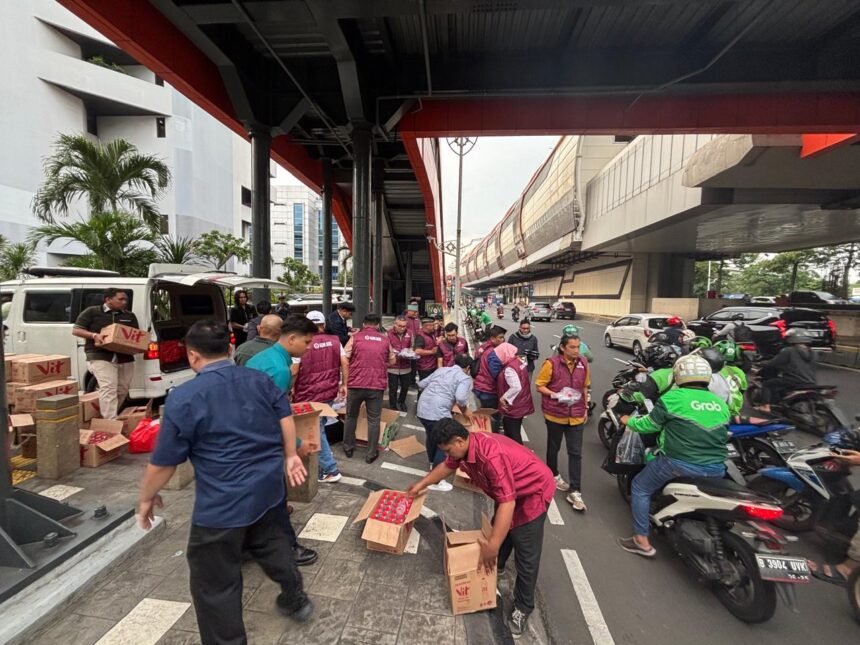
[(240, 501), (337, 321)]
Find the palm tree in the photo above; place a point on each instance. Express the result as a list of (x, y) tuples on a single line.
[(110, 176), (15, 258), (115, 241), (180, 250)]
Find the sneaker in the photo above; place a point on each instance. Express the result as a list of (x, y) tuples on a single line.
[(560, 484), (575, 500), (517, 623), (442, 487), (330, 478), (632, 546)]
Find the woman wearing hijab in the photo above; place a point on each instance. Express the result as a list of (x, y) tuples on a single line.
[(515, 393)]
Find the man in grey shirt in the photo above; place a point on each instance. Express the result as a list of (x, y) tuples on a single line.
[(268, 333), (440, 392)]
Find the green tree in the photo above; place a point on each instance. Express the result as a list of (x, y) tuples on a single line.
[(218, 248), (115, 241), (836, 264), (15, 258), (111, 176), (298, 275), (176, 250)]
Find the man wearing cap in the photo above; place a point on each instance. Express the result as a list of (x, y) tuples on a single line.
[(399, 374), (413, 323), (319, 379), (451, 346), (425, 347), (337, 321), (282, 309)]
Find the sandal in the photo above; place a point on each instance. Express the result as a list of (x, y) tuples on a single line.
[(828, 573)]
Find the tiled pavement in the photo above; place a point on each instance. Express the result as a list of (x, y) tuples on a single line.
[(360, 596)]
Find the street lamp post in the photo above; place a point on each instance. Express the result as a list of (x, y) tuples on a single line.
[(460, 146)]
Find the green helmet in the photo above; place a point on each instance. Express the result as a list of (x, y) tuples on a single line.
[(729, 350), (700, 342), (570, 330)]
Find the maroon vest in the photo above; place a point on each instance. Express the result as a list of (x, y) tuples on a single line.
[(484, 382), (523, 405), (319, 371), (562, 378), (368, 365), (483, 348), (398, 343), (449, 352), (413, 325), (426, 363)]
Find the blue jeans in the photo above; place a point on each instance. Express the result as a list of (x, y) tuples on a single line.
[(327, 463), (655, 475)]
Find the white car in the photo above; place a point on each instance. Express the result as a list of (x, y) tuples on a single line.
[(633, 331)]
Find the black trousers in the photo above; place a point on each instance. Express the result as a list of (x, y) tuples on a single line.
[(572, 436), (215, 562), (526, 543), (513, 428), (774, 389), (372, 400), (399, 382)]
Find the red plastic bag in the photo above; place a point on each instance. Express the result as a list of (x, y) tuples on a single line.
[(142, 438)]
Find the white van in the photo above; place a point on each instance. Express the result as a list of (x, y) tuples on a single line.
[(39, 312)]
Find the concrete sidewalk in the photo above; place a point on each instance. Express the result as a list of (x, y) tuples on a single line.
[(360, 596)]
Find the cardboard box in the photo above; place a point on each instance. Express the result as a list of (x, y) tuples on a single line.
[(24, 428), (307, 419), (94, 455), (471, 588), (462, 480), (9, 359), (125, 339), (88, 407), (481, 416), (37, 369), (131, 416), (389, 424), (26, 396), (386, 536), (11, 388)]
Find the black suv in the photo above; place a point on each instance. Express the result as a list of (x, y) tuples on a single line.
[(769, 324), (565, 310)]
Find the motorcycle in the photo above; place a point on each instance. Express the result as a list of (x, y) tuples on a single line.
[(811, 409), (515, 314), (500, 312), (758, 443), (634, 371), (815, 491)]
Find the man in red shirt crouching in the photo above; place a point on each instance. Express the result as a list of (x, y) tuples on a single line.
[(521, 486)]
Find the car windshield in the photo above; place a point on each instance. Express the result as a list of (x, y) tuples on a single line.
[(657, 323), (540, 305), (824, 295)]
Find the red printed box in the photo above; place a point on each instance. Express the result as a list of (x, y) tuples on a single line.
[(25, 397), (390, 515), (36, 369), (125, 339)]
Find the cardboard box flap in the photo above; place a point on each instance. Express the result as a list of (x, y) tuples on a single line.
[(324, 410), (464, 558), (106, 425), (415, 509), (21, 420), (456, 538), (384, 533), (369, 505), (116, 441)]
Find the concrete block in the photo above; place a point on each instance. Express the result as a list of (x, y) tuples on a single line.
[(58, 447), (55, 415), (183, 476), (57, 402), (307, 491)]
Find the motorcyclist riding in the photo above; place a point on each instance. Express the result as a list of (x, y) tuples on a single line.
[(693, 427), (674, 330), (527, 344), (733, 358), (515, 313), (719, 384), (573, 331), (792, 369)]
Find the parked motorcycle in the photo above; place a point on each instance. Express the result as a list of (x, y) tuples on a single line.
[(810, 409), (758, 443)]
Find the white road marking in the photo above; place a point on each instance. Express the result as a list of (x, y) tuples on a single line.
[(324, 527), (553, 514), (146, 623), (584, 593), (524, 435), (60, 492), (354, 481), (404, 469), (413, 427), (412, 542)]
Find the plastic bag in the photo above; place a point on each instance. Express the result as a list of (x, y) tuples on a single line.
[(569, 396), (407, 353), (631, 449), (142, 438)]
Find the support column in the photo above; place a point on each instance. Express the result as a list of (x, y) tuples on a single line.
[(327, 232), (408, 287), (361, 221), (378, 177), (261, 218)]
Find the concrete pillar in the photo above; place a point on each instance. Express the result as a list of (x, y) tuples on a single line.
[(378, 176), (327, 233), (261, 219), (361, 221), (408, 277)]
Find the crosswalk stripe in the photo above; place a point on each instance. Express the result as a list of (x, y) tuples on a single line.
[(524, 435), (412, 426), (146, 623), (587, 601), (354, 481), (404, 469), (553, 514)]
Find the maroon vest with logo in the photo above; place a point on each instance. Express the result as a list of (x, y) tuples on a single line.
[(319, 371), (484, 381), (368, 365), (427, 362), (523, 405), (398, 343), (449, 352), (562, 378), (413, 325)]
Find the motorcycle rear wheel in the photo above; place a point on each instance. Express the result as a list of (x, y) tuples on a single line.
[(757, 454), (799, 510), (623, 482), (854, 592), (606, 431), (754, 600)]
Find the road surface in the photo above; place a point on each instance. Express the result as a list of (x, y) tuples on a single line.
[(592, 591)]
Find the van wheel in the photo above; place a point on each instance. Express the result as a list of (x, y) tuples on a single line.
[(91, 384)]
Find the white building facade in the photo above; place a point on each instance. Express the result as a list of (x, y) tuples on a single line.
[(297, 230)]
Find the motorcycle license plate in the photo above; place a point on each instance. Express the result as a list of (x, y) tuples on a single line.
[(780, 568), (785, 447)]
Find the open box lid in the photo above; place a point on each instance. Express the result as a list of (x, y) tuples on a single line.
[(111, 443), (322, 409), (385, 532), (21, 420), (462, 551)]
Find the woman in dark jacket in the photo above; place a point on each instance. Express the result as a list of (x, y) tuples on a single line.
[(527, 344), (241, 314)]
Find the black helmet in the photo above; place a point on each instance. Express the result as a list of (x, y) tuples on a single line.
[(714, 358), (659, 356)]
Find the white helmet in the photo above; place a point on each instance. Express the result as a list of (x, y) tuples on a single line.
[(691, 369)]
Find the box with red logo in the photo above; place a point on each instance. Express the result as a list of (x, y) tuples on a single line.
[(480, 419), (472, 589), (125, 339), (89, 407), (40, 368), (307, 419), (389, 516), (26, 396), (102, 443)]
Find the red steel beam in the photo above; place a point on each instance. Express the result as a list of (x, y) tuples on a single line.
[(816, 144), (790, 113)]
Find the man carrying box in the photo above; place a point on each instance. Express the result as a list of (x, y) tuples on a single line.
[(112, 370), (522, 487)]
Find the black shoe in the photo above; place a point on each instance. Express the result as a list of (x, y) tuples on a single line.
[(348, 452), (371, 457), (403, 407), (304, 556), (299, 615)]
